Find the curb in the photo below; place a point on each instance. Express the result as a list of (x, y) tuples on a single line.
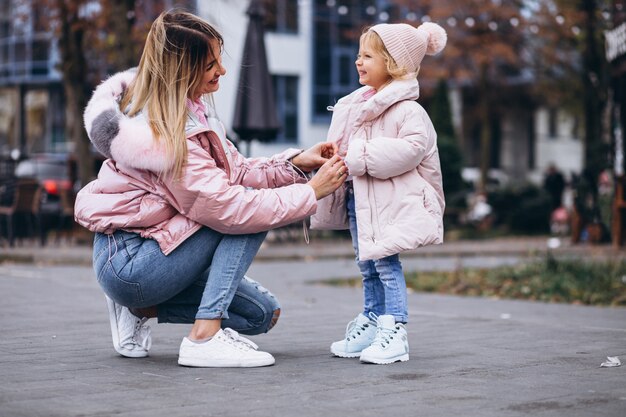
[(82, 255)]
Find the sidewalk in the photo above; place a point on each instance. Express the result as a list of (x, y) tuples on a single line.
[(469, 356), (340, 248)]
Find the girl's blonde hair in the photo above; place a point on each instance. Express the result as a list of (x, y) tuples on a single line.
[(373, 40), (172, 65)]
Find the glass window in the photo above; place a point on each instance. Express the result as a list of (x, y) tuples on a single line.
[(5, 28), (322, 54), (4, 53), (41, 50), (552, 123), (20, 51), (286, 94), (337, 28), (281, 16)]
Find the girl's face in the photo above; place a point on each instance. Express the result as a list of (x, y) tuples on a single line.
[(213, 70), (371, 67)]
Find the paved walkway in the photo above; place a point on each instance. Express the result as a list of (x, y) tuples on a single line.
[(469, 356), (331, 249)]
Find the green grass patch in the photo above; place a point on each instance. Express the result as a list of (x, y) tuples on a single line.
[(553, 280)]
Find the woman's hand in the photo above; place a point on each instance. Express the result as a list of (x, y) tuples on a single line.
[(315, 156), (329, 177)]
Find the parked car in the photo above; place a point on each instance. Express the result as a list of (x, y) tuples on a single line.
[(53, 173)]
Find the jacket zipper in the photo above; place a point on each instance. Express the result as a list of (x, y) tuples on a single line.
[(370, 191)]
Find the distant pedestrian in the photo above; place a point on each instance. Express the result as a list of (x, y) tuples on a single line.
[(554, 184), (393, 199), (178, 212)]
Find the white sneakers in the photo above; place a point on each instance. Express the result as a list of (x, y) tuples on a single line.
[(226, 349), (131, 337), (380, 340), (360, 333), (390, 344)]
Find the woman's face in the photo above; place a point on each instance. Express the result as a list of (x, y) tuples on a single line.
[(213, 70), (371, 67)]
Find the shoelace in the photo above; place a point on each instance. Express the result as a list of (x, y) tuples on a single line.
[(384, 335), (353, 330), (141, 335), (240, 340)]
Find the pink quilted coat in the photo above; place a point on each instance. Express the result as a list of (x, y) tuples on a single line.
[(393, 158), (219, 188)]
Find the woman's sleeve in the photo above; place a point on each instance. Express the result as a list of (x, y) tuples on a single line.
[(385, 157), (204, 194), (276, 171)]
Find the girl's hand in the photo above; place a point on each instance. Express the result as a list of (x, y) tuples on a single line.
[(315, 156), (329, 177)]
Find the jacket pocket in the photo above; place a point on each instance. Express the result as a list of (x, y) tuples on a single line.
[(431, 203)]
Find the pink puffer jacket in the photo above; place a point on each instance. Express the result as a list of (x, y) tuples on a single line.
[(393, 158), (219, 188)]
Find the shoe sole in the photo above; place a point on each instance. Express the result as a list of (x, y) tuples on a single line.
[(345, 354), (401, 358), (116, 337), (225, 364)]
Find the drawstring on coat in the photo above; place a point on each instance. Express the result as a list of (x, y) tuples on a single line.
[(305, 228)]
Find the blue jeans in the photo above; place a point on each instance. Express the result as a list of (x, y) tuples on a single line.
[(384, 287), (203, 278)]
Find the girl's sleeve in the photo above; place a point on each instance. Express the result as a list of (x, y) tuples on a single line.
[(385, 157), (204, 194)]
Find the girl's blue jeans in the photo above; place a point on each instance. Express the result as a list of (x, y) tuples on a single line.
[(384, 287), (203, 278)]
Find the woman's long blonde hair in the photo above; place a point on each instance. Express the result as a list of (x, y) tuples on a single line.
[(171, 68)]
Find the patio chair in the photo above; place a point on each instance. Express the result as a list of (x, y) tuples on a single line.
[(22, 215)]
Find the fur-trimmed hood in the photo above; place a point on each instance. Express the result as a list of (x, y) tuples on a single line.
[(129, 141)]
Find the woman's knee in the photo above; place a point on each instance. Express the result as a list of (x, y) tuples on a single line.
[(258, 305), (274, 320)]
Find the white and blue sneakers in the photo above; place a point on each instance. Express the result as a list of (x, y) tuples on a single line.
[(390, 344), (377, 339), (360, 334)]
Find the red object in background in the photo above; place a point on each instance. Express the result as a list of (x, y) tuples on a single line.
[(53, 186)]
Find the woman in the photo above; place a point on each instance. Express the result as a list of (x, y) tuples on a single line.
[(178, 213)]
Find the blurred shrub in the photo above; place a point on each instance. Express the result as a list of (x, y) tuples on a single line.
[(549, 279), (524, 208), (555, 280)]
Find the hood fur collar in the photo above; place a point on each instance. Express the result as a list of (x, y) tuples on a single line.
[(127, 140)]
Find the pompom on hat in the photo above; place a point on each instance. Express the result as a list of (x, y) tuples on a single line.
[(407, 45)]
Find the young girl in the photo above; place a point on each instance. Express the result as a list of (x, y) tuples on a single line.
[(393, 199)]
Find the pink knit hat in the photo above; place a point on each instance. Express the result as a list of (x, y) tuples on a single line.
[(408, 45)]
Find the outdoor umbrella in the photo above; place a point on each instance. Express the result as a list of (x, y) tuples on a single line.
[(255, 110)]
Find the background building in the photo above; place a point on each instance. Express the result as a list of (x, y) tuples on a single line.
[(311, 47), (31, 97)]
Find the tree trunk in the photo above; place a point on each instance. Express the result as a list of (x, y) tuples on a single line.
[(121, 20), (74, 71), (595, 157), (485, 129)]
